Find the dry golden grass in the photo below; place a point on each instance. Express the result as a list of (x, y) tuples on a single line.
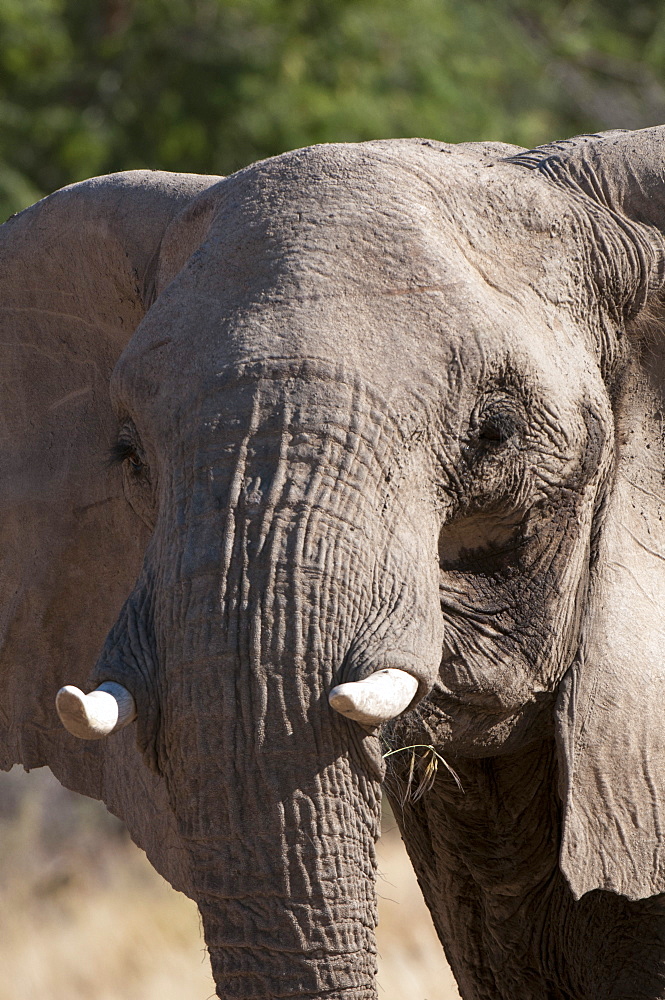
[(83, 916), (411, 960)]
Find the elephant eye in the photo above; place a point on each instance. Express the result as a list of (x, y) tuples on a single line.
[(497, 428), (495, 423), (126, 451), (137, 479)]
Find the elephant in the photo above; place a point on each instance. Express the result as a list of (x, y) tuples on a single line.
[(346, 471)]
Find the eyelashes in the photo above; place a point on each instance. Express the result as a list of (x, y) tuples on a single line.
[(498, 419), (125, 451), (497, 427), (139, 485)]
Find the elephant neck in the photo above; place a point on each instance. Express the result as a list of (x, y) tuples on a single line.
[(487, 859)]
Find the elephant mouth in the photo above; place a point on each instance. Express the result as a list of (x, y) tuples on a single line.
[(473, 698), (463, 686), (473, 722)]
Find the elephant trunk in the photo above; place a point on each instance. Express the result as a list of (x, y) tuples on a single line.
[(277, 796), (287, 901), (279, 569)]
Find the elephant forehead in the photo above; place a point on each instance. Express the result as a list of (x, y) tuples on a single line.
[(386, 255), (381, 215), (420, 349)]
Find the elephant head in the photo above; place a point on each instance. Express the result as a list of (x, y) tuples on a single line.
[(383, 435)]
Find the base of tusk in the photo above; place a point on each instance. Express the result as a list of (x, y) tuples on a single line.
[(92, 716), (375, 699)]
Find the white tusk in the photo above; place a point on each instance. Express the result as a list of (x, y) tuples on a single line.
[(92, 716), (376, 698)]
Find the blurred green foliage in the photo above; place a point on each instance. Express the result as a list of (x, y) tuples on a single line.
[(93, 86)]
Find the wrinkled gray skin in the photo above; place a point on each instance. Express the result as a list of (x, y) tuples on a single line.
[(390, 404)]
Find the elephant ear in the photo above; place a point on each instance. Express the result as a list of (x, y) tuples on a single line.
[(611, 709), (76, 272)]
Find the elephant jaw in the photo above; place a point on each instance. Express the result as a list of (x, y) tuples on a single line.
[(93, 716), (378, 698)]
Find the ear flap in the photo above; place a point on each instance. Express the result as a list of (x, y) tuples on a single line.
[(75, 270), (611, 708)]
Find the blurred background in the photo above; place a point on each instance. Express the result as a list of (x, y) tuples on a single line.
[(83, 915), (93, 86)]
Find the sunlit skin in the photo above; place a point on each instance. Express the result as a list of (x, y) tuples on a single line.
[(375, 418)]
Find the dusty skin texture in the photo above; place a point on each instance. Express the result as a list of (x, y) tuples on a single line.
[(395, 404)]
